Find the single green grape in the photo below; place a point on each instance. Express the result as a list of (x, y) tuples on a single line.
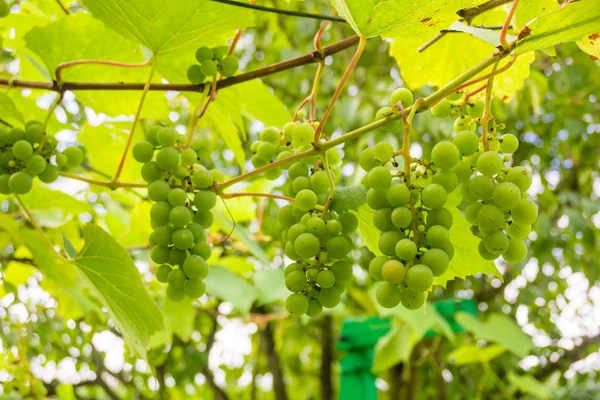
[(180, 216), (403, 96), (508, 143), (437, 260), (314, 308), (490, 218), (4, 187), (20, 183), (163, 234), (175, 293), (387, 242), (74, 156), (445, 155), (475, 109), (524, 213), (160, 254), (166, 137), (401, 217), (162, 273), (303, 135), (419, 278), (177, 278), (159, 191), (375, 267), (382, 219), (446, 178), (177, 197), (194, 288), (398, 194), (151, 172), (342, 271), (201, 249), (437, 236), (380, 178), (467, 143), (195, 75), (337, 247), (349, 222), (520, 176), (229, 66), (406, 249), (325, 278), (481, 187), (307, 245), (49, 174), (204, 53), (464, 123), (316, 226), (306, 200), (393, 271), (297, 304), (496, 242), (471, 213), (463, 171), (411, 299), (183, 239), (367, 160), (209, 67), (319, 182), (489, 163), (167, 158), (202, 179), (205, 199), (516, 251), (329, 297), (36, 164), (442, 109), (517, 231), (388, 295), (333, 227), (22, 150), (434, 196), (266, 151), (441, 216), (506, 195), (195, 267), (143, 151)]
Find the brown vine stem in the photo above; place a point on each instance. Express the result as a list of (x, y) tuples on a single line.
[(107, 184), (338, 90), (407, 159), (256, 194), (39, 228), (331, 185), (487, 110), (70, 64), (47, 120), (135, 121), (473, 93), (486, 76), (504, 30), (309, 58), (196, 117)]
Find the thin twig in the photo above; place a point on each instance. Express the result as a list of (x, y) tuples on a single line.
[(487, 110), (61, 5), (256, 194), (110, 185), (504, 30), (70, 64), (47, 120), (279, 11)]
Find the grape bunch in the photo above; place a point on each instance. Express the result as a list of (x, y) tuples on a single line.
[(498, 207), (211, 62), (181, 188), (22, 159)]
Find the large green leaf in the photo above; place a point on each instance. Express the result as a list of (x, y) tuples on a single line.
[(166, 26), (258, 102), (368, 234), (9, 112), (395, 347), (117, 282), (528, 10), (240, 233), (229, 286), (270, 284), (566, 24), (471, 353), (528, 384), (466, 260), (499, 328), (398, 19)]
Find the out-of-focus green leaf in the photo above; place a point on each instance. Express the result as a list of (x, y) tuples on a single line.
[(229, 286), (395, 347), (260, 103), (9, 113), (528, 384), (471, 353), (270, 284), (240, 233)]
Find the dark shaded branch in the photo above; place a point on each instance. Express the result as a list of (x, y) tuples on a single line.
[(274, 362), (569, 357), (280, 11), (309, 58), (327, 358), (469, 13), (395, 381), (210, 378)]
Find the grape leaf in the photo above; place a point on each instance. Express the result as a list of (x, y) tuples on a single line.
[(591, 45), (528, 384), (270, 283), (472, 353), (368, 234), (397, 19), (566, 24), (116, 280), (487, 35), (9, 112), (348, 198), (528, 10), (260, 103), (499, 328), (166, 26), (466, 260), (229, 286)]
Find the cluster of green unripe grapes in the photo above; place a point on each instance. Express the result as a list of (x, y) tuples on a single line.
[(22, 159), (211, 62), (181, 188), (497, 195), (319, 244)]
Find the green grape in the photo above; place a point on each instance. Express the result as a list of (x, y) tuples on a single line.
[(36, 164), (401, 217), (271, 135), (220, 52), (176, 278), (22, 150), (183, 239), (377, 199), (406, 249), (379, 178), (258, 162), (349, 222), (387, 242), (506, 195), (159, 212), (383, 152), (194, 288), (306, 200), (524, 213), (293, 267), (490, 218), (464, 123), (446, 178), (463, 171), (442, 109), (195, 75), (201, 249), (177, 197), (297, 170), (14, 135), (33, 133), (152, 134), (489, 163), (4, 188), (74, 156), (329, 297), (285, 215), (163, 234), (160, 254), (195, 267), (295, 281), (288, 131), (467, 143), (516, 251), (316, 226), (301, 183), (61, 160), (437, 260), (475, 109), (295, 231), (448, 249), (375, 267), (337, 247), (403, 96), (151, 171), (175, 294), (314, 308), (509, 143), (445, 155), (398, 195), (382, 219), (188, 157), (388, 295), (471, 213), (49, 174), (520, 176), (440, 216), (311, 275), (202, 179), (177, 256), (496, 242), (319, 182), (180, 216), (162, 273), (204, 53), (325, 278), (229, 66), (209, 67), (342, 271), (159, 191), (297, 304), (205, 199), (517, 231), (366, 159), (307, 245), (166, 137), (334, 157), (434, 196), (437, 236), (167, 158), (20, 183), (393, 271), (333, 227), (303, 135), (32, 123), (143, 151), (198, 231), (419, 278), (266, 151), (481, 187), (411, 299)]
